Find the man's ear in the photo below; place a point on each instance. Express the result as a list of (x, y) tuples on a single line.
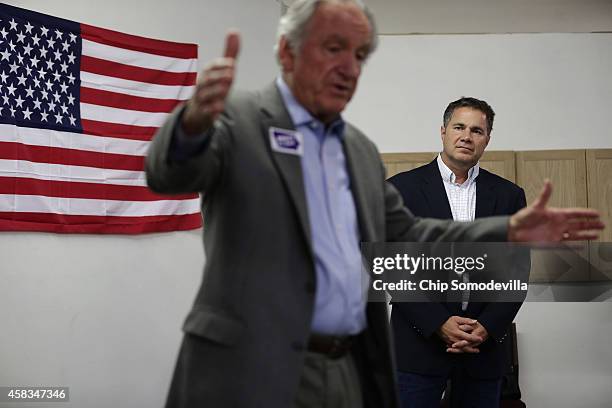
[(285, 55), (442, 132)]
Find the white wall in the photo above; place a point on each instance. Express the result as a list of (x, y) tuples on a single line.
[(564, 354), (102, 314), (549, 91), (98, 314), (492, 16)]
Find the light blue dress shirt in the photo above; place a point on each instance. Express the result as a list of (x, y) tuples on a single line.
[(340, 299)]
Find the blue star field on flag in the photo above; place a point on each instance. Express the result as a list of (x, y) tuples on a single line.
[(39, 70)]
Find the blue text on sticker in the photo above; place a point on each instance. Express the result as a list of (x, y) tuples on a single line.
[(286, 141)]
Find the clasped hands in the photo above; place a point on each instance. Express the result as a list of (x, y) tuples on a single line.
[(462, 335)]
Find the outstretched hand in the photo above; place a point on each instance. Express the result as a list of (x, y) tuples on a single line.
[(208, 100), (539, 223)]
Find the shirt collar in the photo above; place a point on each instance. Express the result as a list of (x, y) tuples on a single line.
[(300, 116), (448, 175)]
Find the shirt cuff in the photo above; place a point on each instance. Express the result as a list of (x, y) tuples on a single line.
[(184, 147)]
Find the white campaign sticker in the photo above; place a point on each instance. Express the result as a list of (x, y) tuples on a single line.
[(286, 141)]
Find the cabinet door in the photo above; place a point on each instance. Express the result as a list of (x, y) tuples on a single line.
[(567, 171), (501, 163), (399, 162), (599, 186)]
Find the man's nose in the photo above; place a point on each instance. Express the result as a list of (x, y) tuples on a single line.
[(466, 135), (351, 67)]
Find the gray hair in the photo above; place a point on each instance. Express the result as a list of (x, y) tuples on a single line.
[(293, 24), (473, 103)]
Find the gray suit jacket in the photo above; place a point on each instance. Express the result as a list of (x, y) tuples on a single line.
[(246, 333)]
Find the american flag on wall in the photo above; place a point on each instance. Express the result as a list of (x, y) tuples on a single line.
[(78, 106)]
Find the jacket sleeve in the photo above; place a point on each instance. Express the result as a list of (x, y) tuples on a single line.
[(403, 226), (425, 318), (198, 173)]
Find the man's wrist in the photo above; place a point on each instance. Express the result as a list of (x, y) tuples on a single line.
[(512, 227), (192, 122), (184, 146)]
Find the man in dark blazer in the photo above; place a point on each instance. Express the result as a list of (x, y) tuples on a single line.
[(453, 186), (289, 190)]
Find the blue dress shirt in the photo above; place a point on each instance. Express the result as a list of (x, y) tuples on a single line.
[(340, 297)]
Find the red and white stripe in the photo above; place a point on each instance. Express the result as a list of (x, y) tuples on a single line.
[(94, 182)]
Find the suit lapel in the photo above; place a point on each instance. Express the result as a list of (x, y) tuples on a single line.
[(434, 192), (485, 195), (274, 114), (360, 177)]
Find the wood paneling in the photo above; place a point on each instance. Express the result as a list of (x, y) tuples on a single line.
[(566, 169), (501, 163), (399, 162), (599, 171), (599, 187)]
